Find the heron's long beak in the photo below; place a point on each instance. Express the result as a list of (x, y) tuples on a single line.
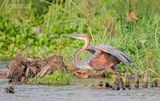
[(78, 36)]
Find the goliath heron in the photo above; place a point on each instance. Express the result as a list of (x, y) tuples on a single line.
[(104, 57)]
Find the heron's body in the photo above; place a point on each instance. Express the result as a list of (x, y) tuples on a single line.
[(103, 61), (104, 57)]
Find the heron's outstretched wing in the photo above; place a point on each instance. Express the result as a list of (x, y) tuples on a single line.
[(95, 53), (92, 49), (84, 64), (115, 52)]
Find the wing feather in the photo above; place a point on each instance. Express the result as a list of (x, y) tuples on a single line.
[(115, 52), (92, 50)]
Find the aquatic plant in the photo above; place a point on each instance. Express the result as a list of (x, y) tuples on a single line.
[(57, 78)]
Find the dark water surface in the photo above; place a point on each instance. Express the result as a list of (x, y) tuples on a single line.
[(81, 91)]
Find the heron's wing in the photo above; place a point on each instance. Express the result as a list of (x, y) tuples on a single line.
[(91, 49), (85, 62), (115, 52)]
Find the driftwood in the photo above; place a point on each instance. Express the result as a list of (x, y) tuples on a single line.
[(23, 67), (52, 63), (3, 74), (88, 74), (16, 69)]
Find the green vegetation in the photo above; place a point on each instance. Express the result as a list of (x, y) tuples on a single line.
[(35, 27), (57, 78)]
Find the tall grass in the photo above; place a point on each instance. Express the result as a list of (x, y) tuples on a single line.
[(140, 38)]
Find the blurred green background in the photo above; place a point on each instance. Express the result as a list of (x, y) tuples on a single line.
[(35, 28)]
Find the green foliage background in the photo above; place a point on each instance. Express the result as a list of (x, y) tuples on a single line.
[(140, 39)]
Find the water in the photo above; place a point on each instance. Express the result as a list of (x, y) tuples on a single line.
[(81, 91)]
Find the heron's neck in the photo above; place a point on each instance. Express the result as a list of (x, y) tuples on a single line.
[(77, 53)]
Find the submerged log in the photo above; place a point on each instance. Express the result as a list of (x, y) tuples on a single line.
[(10, 89)]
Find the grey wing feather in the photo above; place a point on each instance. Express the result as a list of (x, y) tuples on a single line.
[(84, 64), (92, 49), (115, 52)]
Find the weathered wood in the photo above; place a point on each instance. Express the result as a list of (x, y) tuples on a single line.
[(82, 74), (16, 71), (3, 74), (52, 63), (145, 80), (23, 67), (127, 82), (136, 80), (10, 89)]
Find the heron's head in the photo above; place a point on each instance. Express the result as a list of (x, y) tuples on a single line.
[(78, 36)]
